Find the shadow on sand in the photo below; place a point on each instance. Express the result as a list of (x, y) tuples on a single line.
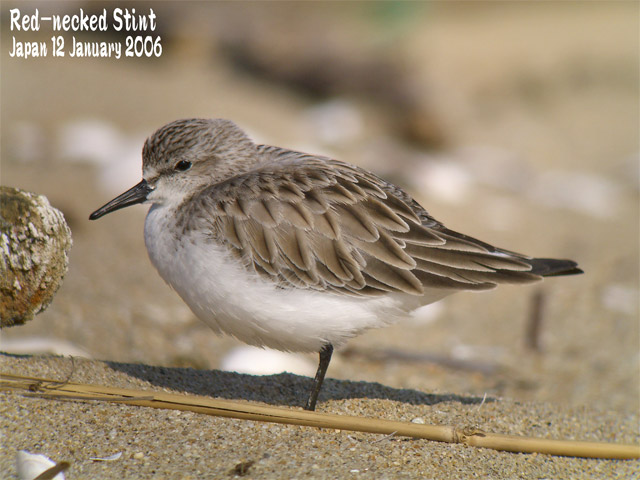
[(283, 389)]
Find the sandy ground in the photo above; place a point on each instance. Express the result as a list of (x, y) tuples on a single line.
[(182, 445), (541, 121)]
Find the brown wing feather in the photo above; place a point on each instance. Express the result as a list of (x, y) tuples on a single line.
[(310, 222)]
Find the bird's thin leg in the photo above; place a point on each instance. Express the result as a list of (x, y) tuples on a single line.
[(325, 358)]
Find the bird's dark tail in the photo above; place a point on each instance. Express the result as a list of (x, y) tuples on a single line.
[(550, 267)]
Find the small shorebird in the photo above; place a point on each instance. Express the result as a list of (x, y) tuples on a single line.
[(299, 252)]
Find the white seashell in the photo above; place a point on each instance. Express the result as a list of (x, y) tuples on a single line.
[(41, 345), (110, 458), (30, 465), (264, 361)]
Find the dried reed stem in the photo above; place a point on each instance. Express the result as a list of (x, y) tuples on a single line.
[(469, 436)]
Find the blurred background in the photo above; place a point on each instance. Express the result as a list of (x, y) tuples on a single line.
[(517, 123)]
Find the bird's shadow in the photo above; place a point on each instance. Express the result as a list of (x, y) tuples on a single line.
[(284, 389)]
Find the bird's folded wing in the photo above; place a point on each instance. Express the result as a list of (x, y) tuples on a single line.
[(312, 223)]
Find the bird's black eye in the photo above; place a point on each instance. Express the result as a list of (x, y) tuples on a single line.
[(182, 165)]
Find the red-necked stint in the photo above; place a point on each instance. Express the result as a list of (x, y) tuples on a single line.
[(299, 252)]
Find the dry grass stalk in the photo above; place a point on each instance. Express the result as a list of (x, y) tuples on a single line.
[(469, 436)]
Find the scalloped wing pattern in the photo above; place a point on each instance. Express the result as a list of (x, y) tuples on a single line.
[(309, 222)]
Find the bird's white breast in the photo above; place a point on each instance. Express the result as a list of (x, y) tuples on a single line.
[(236, 301)]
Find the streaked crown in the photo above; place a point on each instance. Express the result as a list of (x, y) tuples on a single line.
[(216, 148)]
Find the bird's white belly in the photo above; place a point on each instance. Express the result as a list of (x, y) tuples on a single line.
[(235, 301)]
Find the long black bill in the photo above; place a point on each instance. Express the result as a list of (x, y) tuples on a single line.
[(137, 194)]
